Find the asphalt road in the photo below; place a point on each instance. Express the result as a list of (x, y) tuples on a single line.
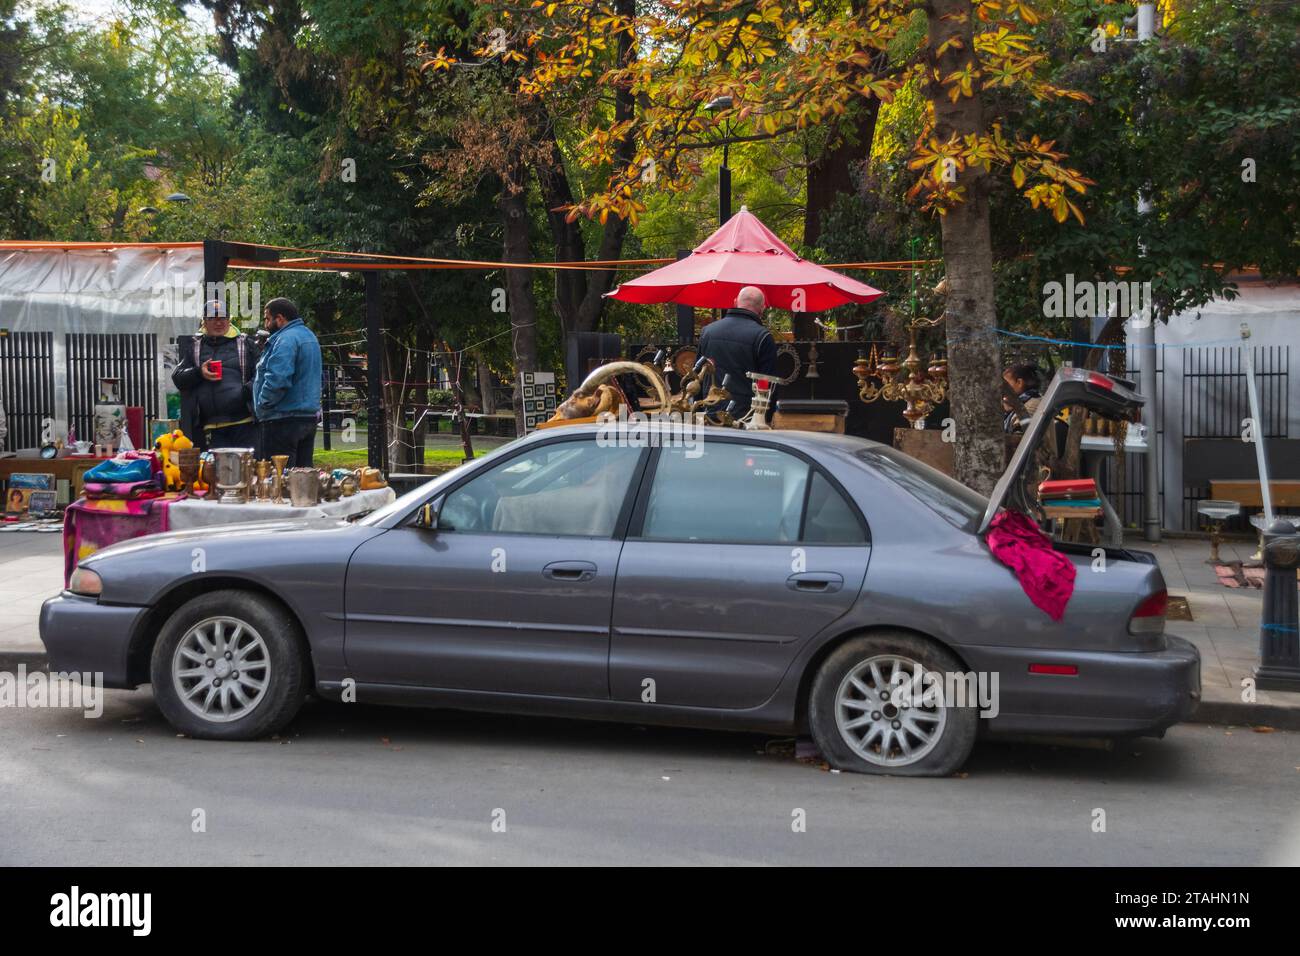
[(360, 785)]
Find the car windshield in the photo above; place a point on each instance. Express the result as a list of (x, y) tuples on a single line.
[(946, 497)]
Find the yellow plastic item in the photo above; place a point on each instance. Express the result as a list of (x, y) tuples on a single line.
[(166, 446)]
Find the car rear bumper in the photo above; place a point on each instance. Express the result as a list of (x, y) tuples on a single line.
[(1111, 695), (82, 635)]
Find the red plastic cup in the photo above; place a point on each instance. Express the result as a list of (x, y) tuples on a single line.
[(215, 365)]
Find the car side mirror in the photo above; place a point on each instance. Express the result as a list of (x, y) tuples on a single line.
[(427, 516)]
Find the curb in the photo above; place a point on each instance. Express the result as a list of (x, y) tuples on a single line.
[(1223, 712), (34, 660), (1238, 713)]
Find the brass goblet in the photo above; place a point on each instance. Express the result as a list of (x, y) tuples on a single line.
[(281, 462), (263, 481), (187, 459)]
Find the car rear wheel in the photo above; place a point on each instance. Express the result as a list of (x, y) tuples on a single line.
[(877, 706), (229, 665)]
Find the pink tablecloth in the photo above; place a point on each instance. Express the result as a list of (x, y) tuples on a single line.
[(91, 524)]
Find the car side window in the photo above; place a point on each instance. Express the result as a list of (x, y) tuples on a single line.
[(726, 492), (567, 488), (830, 519)]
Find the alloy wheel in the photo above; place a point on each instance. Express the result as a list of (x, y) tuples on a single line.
[(884, 713), (221, 669)]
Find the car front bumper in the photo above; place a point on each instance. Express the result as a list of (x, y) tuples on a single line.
[(1111, 695), (82, 635)]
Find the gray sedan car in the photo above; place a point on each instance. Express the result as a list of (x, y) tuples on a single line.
[(775, 581)]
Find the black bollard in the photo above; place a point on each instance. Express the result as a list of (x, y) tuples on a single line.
[(1279, 629)]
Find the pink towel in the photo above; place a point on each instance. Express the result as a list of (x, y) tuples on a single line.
[(1046, 575)]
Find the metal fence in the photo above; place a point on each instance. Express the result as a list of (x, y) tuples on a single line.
[(130, 357), (1216, 403), (27, 386), (1207, 388)]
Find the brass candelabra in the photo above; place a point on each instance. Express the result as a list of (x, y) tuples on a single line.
[(912, 381)]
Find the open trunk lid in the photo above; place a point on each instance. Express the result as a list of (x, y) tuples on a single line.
[(1105, 394)]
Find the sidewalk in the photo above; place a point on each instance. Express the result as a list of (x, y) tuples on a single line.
[(1224, 625), (1225, 628), (31, 570)]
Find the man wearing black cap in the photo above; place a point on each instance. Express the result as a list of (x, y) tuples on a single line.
[(215, 377)]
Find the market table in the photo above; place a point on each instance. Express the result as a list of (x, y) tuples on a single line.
[(69, 468), (198, 513), (92, 524)]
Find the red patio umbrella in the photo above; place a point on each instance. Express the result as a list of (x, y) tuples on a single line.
[(745, 252)]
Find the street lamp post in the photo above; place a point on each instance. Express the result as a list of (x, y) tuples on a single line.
[(724, 174), (1146, 31)]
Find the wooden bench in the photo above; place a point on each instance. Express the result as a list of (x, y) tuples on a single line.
[(1226, 468)]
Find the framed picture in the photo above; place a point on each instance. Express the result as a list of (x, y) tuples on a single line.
[(40, 481), (110, 391), (16, 500), (40, 502)]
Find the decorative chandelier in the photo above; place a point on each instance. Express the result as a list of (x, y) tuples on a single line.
[(921, 387)]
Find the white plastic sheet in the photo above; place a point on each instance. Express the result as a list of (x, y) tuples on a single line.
[(123, 289)]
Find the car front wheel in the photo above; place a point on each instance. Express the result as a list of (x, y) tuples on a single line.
[(229, 665), (878, 705)]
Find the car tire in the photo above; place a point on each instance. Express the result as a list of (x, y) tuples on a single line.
[(856, 728), (201, 649)]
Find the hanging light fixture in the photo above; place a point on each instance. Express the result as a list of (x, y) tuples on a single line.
[(920, 385)]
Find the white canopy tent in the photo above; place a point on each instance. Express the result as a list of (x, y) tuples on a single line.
[(97, 289)]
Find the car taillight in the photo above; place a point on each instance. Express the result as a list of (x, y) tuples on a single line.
[(1101, 381), (1149, 618), (86, 583)]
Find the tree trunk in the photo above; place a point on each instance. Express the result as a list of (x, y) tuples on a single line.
[(830, 175), (974, 360), (521, 306), (580, 296)]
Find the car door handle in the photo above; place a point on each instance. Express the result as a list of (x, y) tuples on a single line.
[(570, 571), (823, 582)]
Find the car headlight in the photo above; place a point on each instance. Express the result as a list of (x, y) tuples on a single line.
[(86, 583)]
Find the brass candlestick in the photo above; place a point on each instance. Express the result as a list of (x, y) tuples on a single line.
[(909, 380), (246, 460)]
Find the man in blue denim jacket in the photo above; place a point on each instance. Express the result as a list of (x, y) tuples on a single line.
[(286, 387)]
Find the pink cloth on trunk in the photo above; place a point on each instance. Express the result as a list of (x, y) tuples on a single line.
[(1046, 575)]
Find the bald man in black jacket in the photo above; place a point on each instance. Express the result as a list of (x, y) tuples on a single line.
[(739, 342)]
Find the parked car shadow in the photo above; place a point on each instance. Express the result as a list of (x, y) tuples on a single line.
[(414, 728)]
